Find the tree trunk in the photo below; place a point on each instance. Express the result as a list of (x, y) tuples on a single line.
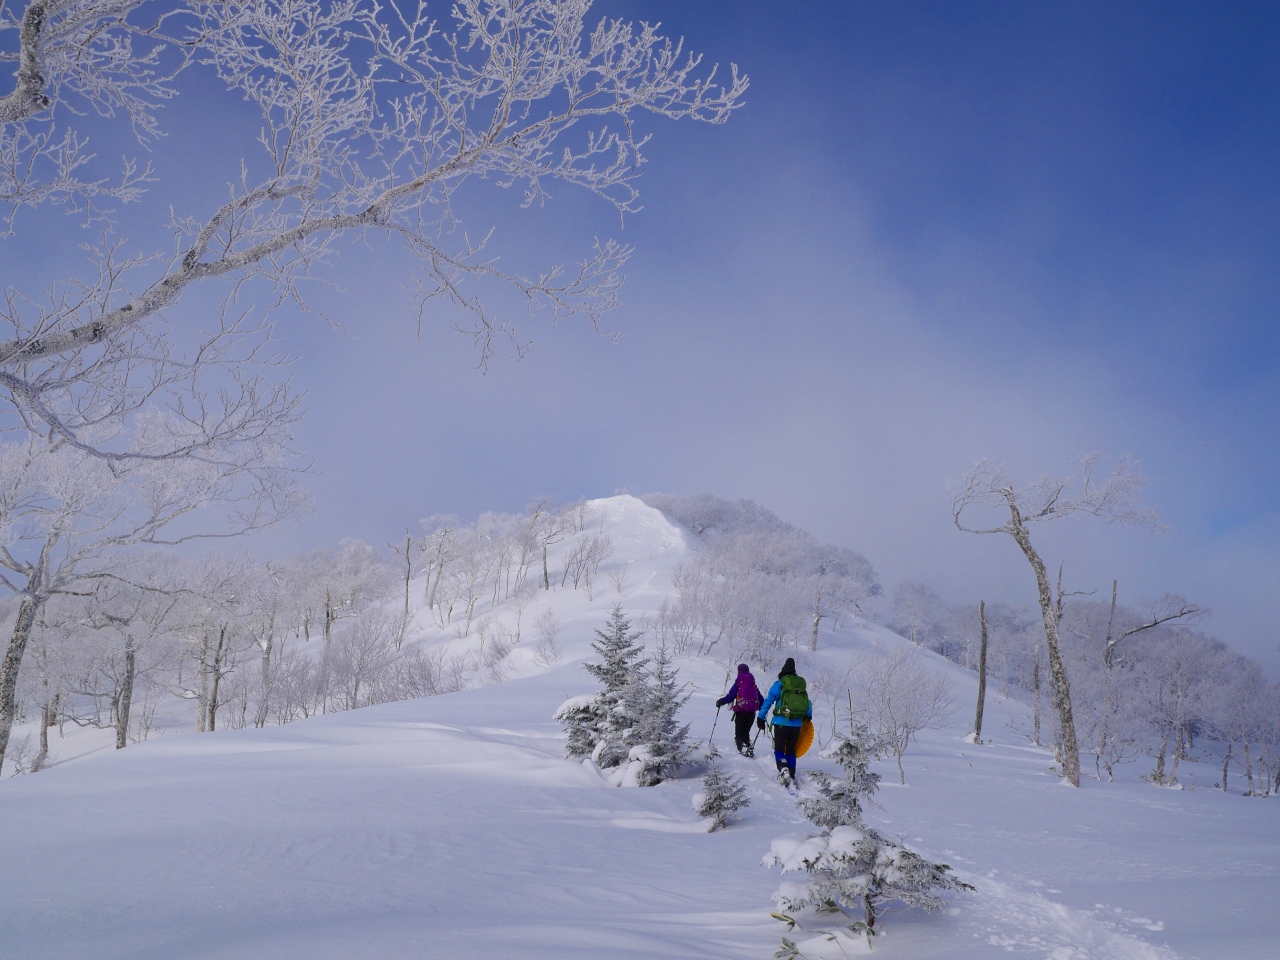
[(1248, 768), (1035, 682), (817, 618), (217, 679), (1226, 762), (48, 711), (408, 572), (265, 702), (202, 713), (1057, 669), (126, 696), (982, 671), (1158, 774), (439, 574), (546, 574), (12, 663), (1108, 702)]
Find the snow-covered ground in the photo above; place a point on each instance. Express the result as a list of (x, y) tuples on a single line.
[(453, 827)]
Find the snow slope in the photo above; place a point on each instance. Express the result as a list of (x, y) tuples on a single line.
[(452, 827)]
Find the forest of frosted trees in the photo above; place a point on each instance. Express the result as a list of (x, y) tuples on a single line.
[(250, 641), (1165, 689), (238, 640)]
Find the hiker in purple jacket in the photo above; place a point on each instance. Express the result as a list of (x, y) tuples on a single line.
[(745, 697)]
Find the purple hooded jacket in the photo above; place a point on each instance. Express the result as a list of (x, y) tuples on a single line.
[(744, 694)]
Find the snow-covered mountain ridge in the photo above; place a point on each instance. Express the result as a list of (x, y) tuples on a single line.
[(451, 826)]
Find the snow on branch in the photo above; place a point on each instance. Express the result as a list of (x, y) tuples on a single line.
[(1114, 499), (372, 116), (74, 57), (372, 120)]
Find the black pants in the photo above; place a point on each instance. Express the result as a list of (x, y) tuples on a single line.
[(742, 728), (785, 740)]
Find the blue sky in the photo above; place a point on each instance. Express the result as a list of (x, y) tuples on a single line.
[(936, 232)]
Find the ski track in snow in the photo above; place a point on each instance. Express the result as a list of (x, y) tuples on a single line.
[(1022, 920), (453, 827)]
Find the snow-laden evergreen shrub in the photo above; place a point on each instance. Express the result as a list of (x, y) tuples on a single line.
[(600, 725), (580, 717), (849, 867), (658, 740), (631, 725), (721, 798)]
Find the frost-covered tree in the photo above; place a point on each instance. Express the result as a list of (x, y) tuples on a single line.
[(838, 580), (657, 739), (722, 797), (580, 717), (436, 545), (134, 612), (598, 725), (68, 516), (917, 611), (1233, 715), (1172, 685), (760, 586), (370, 118), (849, 867), (839, 801), (1114, 500), (898, 696), (633, 722), (359, 652)]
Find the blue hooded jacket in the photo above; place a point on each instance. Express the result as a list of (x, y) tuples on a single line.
[(775, 692)]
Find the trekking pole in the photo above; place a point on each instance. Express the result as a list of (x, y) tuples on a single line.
[(717, 719)]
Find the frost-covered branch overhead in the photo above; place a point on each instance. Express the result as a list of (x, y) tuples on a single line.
[(372, 117), (1115, 500), (71, 58)]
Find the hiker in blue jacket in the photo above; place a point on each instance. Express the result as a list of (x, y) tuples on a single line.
[(793, 708), (745, 697)]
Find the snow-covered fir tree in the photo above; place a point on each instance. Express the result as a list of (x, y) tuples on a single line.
[(580, 717), (850, 867), (839, 801), (721, 798), (657, 739), (600, 725)]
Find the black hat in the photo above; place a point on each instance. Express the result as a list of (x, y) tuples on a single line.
[(788, 668)]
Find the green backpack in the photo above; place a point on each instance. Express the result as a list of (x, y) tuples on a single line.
[(793, 702)]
